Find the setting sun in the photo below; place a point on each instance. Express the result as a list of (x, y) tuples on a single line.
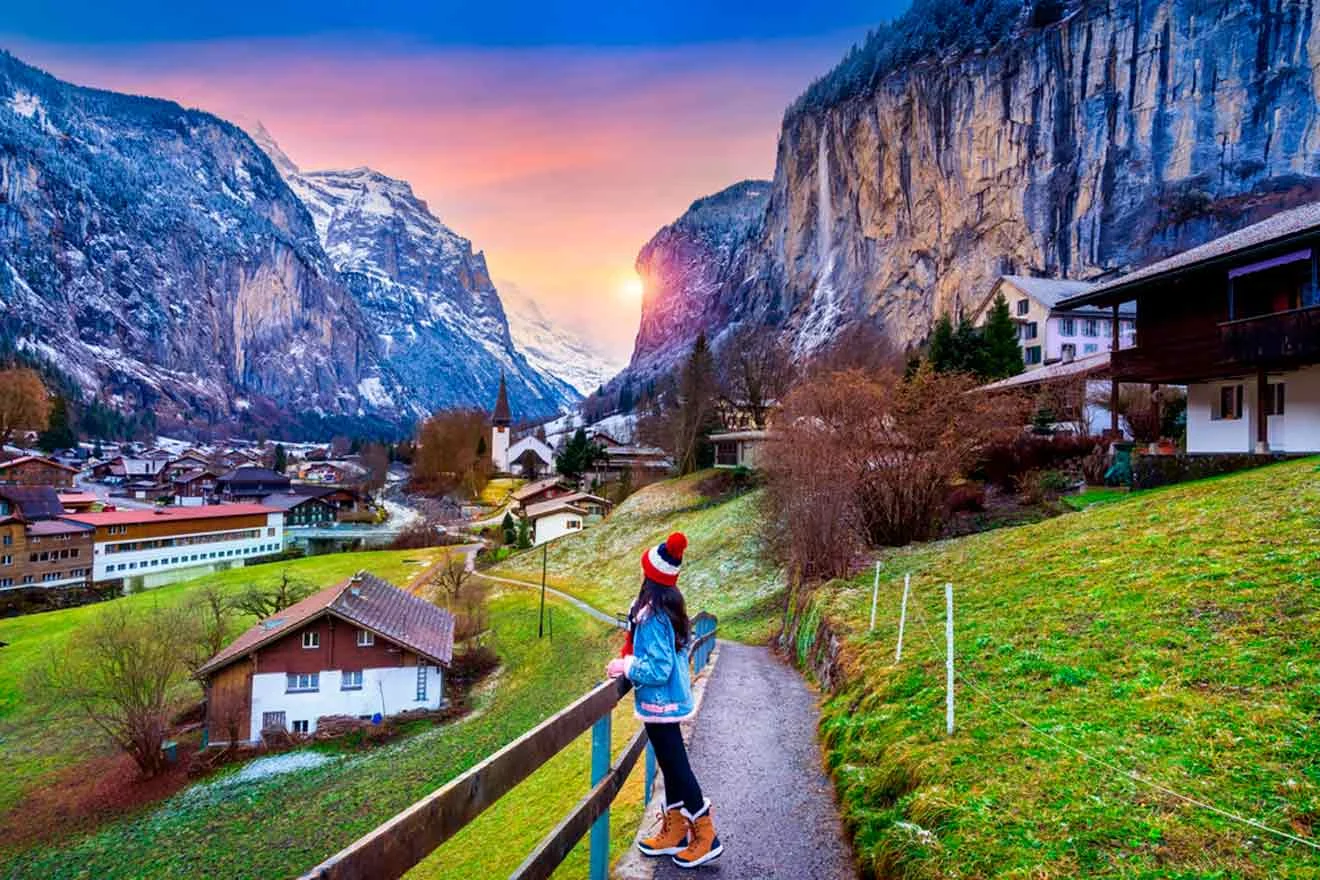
[(633, 288)]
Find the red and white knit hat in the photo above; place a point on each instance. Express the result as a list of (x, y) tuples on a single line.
[(661, 562)]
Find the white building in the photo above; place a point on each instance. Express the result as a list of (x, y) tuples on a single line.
[(1048, 334), (362, 648), (564, 515)]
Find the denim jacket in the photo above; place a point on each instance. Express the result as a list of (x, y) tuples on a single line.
[(661, 676)]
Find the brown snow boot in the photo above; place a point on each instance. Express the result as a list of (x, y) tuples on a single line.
[(703, 843), (672, 836)]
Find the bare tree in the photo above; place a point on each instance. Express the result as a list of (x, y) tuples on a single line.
[(212, 625), (24, 405), (122, 671), (755, 370), (261, 602), (449, 579)]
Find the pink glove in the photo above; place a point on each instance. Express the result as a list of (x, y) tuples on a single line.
[(616, 668)]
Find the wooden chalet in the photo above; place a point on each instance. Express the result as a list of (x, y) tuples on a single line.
[(35, 470), (362, 647), (1236, 320)]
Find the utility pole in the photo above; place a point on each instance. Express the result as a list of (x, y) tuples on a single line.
[(540, 623)]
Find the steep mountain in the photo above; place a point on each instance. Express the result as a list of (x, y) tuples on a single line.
[(972, 139), (427, 297), (155, 256), (685, 269), (553, 350)]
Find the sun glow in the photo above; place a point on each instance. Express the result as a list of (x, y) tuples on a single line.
[(633, 289)]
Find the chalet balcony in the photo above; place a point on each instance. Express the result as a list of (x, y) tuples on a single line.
[(1285, 339)]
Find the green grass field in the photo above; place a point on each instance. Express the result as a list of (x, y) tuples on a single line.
[(1174, 634), (724, 571), (253, 822)]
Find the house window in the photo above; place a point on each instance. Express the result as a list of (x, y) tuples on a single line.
[(1090, 348), (311, 639), (1228, 406), (365, 639), (9, 539), (351, 681), (1023, 306), (1067, 326), (6, 582), (1274, 399), (1030, 330), (1090, 327), (272, 721), (303, 682), (1031, 355), (6, 560), (573, 524), (1068, 351), (300, 726)]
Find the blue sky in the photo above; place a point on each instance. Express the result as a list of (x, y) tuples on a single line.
[(505, 24)]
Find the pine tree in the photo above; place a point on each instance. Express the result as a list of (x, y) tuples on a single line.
[(524, 534), (698, 414), (509, 529), (59, 434), (578, 455), (281, 458), (943, 354), (970, 350), (1003, 356)]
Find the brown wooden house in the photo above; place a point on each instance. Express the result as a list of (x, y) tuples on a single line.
[(36, 548), (362, 647), (34, 470), (1236, 320)]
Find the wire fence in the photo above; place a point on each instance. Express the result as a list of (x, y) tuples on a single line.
[(962, 677)]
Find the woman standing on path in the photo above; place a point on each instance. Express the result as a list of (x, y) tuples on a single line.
[(655, 660)]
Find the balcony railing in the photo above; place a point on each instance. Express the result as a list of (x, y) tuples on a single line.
[(1278, 338)]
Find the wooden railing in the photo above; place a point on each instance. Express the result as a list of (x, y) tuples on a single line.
[(1273, 338), (396, 846)]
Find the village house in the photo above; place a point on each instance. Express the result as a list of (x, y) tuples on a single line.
[(34, 470), (735, 449), (362, 648), (563, 515), (250, 484), (37, 549), (198, 486), (642, 464), (1048, 333), (331, 472), (78, 502), (147, 548), (1236, 320), (122, 469), (540, 491), (303, 510), (1084, 383)]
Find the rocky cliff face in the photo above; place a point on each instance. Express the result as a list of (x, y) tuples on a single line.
[(685, 271), (1122, 133), (427, 297), (155, 256)]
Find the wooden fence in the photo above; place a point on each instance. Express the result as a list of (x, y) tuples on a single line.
[(396, 846)]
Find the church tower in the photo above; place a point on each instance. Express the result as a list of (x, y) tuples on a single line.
[(501, 420)]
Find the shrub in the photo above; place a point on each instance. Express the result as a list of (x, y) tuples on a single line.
[(1003, 463), (867, 458), (965, 498), (1094, 464), (1152, 471), (1037, 486)]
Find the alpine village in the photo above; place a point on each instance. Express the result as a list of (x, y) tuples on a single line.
[(984, 432)]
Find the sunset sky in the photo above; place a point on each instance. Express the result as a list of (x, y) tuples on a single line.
[(558, 137)]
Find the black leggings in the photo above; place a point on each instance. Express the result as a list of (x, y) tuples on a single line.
[(681, 787)]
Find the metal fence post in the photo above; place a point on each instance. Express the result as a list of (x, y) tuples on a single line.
[(600, 768), (948, 651), (650, 771)]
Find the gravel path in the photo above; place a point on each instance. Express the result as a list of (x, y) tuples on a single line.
[(755, 753)]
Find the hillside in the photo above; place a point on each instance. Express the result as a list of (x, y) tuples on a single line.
[(724, 571), (236, 823), (1171, 635)]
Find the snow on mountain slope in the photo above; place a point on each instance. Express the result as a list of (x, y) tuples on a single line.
[(427, 295), (554, 350)]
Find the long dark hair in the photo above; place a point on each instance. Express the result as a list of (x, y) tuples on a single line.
[(659, 598)]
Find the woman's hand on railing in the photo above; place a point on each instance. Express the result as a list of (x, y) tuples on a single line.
[(616, 667)]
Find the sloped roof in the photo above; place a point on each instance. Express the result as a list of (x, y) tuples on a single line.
[(538, 487), (570, 502), (289, 500), (34, 502), (366, 600), (1083, 366), (24, 459), (57, 527), (254, 475), (1272, 230), (1048, 291)]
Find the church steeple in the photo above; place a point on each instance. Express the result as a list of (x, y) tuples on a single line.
[(502, 417)]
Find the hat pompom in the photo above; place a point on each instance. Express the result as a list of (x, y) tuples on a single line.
[(676, 544)]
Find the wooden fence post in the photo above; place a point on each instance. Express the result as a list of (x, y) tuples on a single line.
[(948, 662), (902, 617), (600, 768)]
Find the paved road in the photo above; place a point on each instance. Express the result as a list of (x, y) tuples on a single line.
[(754, 751)]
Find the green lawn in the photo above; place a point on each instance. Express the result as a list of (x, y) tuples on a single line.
[(234, 826), (28, 717), (724, 571), (1174, 634)]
